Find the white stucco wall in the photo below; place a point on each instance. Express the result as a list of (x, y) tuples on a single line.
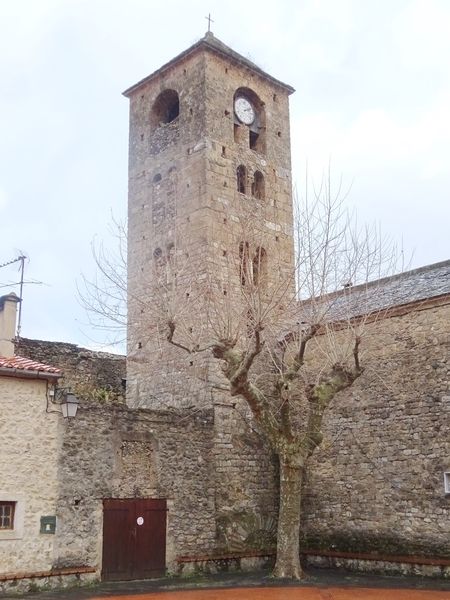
[(28, 473)]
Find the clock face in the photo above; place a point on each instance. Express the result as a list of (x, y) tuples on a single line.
[(244, 111)]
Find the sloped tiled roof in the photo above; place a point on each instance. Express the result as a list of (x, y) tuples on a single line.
[(418, 285), (17, 365), (213, 44), (412, 286)]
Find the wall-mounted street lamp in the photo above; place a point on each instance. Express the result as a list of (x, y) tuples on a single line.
[(65, 399)]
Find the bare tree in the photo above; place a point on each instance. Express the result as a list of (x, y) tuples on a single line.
[(105, 297), (288, 345), (289, 337)]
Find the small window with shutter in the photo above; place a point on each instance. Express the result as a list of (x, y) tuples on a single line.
[(7, 510)]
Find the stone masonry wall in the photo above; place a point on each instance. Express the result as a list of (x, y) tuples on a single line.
[(28, 459), (376, 483), (246, 481), (110, 451), (80, 366), (246, 497), (167, 176), (185, 206), (219, 479)]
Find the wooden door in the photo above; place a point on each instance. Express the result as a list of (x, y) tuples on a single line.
[(134, 538)]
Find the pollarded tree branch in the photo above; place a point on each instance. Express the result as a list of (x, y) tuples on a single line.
[(356, 353), (250, 356), (321, 394), (299, 356), (236, 369), (285, 414), (194, 350), (169, 337)]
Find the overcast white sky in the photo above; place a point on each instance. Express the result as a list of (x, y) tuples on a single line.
[(373, 93)]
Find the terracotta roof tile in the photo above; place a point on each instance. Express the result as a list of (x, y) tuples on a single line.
[(17, 363)]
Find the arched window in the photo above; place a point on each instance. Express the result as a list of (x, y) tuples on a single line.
[(241, 179), (260, 268), (258, 189), (244, 263), (166, 108)]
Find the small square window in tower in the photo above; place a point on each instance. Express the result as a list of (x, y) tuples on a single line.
[(447, 482), (254, 137)]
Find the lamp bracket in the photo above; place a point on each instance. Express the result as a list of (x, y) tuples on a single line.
[(63, 398)]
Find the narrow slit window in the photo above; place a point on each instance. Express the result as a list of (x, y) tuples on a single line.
[(241, 176), (260, 268), (258, 190), (244, 262), (171, 253)]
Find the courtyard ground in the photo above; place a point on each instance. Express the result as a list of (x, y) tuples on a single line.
[(320, 584), (298, 593)]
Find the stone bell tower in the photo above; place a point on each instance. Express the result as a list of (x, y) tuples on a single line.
[(209, 152)]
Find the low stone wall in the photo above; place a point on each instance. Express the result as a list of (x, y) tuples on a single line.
[(100, 370), (222, 563), (363, 563), (20, 583), (381, 566)]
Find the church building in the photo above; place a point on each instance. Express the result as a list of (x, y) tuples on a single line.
[(171, 476)]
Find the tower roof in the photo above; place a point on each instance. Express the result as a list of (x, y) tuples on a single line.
[(212, 44)]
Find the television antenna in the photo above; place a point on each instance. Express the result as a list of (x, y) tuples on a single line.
[(21, 260)]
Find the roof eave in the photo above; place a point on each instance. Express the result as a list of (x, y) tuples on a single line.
[(28, 374), (235, 57)]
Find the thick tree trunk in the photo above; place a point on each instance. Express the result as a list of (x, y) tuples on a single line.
[(288, 557)]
